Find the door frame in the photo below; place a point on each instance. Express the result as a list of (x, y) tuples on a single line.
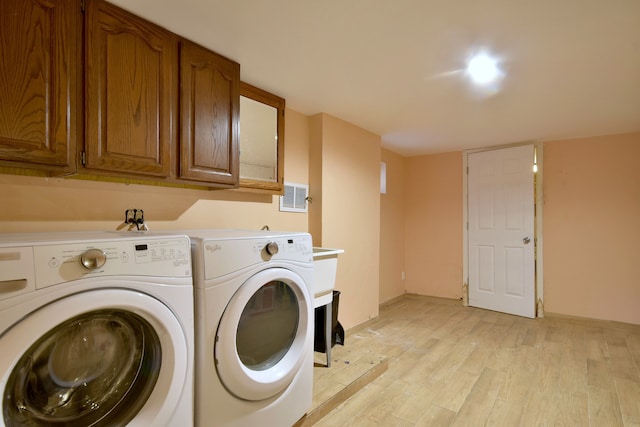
[(539, 266)]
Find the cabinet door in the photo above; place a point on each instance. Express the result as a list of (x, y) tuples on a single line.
[(39, 72), (130, 82), (209, 113), (261, 156)]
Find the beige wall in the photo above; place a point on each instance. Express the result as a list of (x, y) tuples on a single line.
[(591, 212), (592, 227), (433, 225), (345, 191), (30, 204), (315, 178), (348, 208), (392, 221)]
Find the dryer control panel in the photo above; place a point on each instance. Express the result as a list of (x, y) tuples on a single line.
[(153, 257), (223, 256)]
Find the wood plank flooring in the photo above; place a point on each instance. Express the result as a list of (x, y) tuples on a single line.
[(450, 365)]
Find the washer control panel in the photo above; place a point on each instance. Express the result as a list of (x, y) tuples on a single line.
[(153, 257)]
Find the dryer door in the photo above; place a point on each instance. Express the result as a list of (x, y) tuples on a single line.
[(99, 358), (264, 334)]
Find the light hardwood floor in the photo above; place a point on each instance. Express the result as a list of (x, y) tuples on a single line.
[(450, 365)]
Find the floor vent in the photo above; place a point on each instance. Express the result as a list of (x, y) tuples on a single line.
[(294, 198)]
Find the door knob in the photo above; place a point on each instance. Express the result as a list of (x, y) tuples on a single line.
[(526, 240)]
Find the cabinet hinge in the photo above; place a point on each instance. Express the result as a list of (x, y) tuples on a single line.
[(83, 158), (82, 6)]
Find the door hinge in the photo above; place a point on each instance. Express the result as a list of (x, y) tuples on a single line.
[(83, 158)]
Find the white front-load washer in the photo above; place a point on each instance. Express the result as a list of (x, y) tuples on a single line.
[(96, 329), (254, 327)]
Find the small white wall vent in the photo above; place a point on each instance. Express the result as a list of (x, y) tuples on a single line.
[(294, 198)]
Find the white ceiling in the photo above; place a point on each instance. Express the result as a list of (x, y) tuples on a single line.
[(395, 67)]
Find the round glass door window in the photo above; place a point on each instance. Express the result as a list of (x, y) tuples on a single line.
[(96, 369), (265, 334), (267, 326)]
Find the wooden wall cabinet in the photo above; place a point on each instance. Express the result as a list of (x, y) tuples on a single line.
[(39, 84), (209, 114), (130, 71), (143, 83), (155, 106)]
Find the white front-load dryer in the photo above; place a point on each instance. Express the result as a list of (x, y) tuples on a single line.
[(254, 327), (96, 329)]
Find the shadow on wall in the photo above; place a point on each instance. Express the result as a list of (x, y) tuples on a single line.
[(26, 198)]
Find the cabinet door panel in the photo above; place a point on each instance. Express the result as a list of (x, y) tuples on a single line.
[(130, 84), (38, 84), (209, 113)]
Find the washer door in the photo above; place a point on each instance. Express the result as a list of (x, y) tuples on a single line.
[(98, 358), (263, 334)]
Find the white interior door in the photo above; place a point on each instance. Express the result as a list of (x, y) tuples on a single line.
[(501, 230)]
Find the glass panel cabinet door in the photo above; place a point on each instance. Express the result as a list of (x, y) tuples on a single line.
[(261, 139)]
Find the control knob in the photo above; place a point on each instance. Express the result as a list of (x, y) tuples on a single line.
[(93, 258), (272, 248)]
